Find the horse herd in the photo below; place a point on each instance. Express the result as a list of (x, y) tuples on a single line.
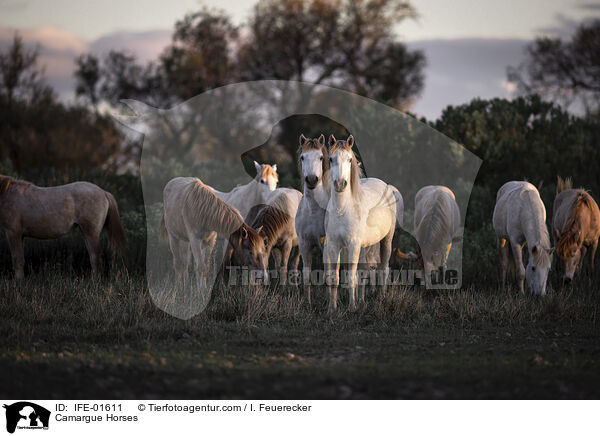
[(340, 214)]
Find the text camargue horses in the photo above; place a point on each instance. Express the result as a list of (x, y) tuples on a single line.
[(27, 210), (358, 215), (194, 216), (437, 226), (520, 219), (576, 226), (313, 160), (276, 221)]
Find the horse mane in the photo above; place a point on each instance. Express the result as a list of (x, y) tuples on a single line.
[(562, 184), (571, 233), (356, 172), (314, 144), (209, 211), (6, 182), (434, 228), (272, 219)]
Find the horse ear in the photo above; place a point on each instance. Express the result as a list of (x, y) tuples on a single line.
[(557, 233), (302, 139), (259, 229), (350, 141), (321, 140), (258, 167), (534, 249), (244, 233), (274, 167), (550, 251), (332, 140)]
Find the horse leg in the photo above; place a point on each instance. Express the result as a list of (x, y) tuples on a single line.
[(209, 246), (196, 246), (285, 257), (277, 259), (385, 252), (592, 250), (353, 256), (517, 252), (15, 242), (92, 243), (331, 259), (364, 262), (306, 253), (503, 247), (180, 257)]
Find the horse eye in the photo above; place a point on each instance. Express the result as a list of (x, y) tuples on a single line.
[(263, 182), (301, 157), (330, 160), (321, 158), (533, 268)]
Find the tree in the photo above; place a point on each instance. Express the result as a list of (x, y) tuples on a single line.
[(345, 43), (566, 71), (37, 130), (21, 79), (349, 44)]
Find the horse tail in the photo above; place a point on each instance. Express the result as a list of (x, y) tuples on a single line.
[(163, 228), (113, 225)]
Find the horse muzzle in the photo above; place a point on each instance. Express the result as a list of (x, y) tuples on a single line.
[(340, 185), (311, 181)]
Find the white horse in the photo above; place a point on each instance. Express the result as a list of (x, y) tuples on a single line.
[(437, 226), (520, 219), (245, 197), (31, 211), (193, 217), (257, 191), (358, 215), (313, 160)]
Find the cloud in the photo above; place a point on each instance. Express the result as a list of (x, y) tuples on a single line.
[(459, 70), (59, 49), (145, 45)]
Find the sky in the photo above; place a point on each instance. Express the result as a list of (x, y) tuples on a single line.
[(468, 43)]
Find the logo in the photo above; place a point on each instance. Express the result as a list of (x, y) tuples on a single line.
[(26, 415)]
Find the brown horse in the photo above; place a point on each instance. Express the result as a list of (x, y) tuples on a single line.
[(27, 210), (576, 226)]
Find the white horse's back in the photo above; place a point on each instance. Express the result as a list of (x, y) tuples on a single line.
[(518, 207), (436, 214)]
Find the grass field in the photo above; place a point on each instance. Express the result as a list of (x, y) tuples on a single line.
[(64, 335)]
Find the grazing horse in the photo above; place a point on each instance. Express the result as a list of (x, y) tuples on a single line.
[(276, 221), (576, 225), (27, 210), (313, 160), (520, 219), (193, 217), (358, 215), (437, 227)]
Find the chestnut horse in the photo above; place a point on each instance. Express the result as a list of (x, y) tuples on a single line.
[(575, 225)]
